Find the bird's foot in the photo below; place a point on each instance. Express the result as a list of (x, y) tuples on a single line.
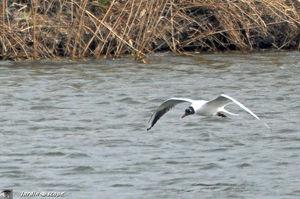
[(221, 114)]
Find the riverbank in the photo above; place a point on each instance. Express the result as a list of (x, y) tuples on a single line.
[(103, 28)]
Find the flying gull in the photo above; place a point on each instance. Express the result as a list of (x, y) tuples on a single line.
[(215, 107)]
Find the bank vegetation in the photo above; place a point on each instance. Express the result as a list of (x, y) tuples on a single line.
[(74, 29)]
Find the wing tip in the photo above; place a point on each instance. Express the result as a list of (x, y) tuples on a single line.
[(224, 95), (150, 127), (267, 125)]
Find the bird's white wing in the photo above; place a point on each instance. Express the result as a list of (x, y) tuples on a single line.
[(224, 100), (164, 108), (239, 104)]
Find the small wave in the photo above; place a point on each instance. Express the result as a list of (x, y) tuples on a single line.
[(122, 185), (243, 165), (82, 169), (217, 149), (216, 185), (176, 162), (128, 100), (288, 130), (210, 166), (55, 153), (119, 116), (292, 148), (77, 155)]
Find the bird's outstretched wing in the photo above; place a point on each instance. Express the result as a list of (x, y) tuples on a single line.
[(224, 100), (164, 108)]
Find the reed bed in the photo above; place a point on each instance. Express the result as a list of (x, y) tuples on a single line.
[(110, 28)]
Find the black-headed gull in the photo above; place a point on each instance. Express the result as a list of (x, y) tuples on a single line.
[(199, 107)]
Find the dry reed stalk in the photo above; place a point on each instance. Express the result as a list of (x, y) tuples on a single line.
[(108, 38), (77, 42), (14, 43), (97, 31), (3, 47), (33, 9), (153, 21), (132, 14), (112, 31)]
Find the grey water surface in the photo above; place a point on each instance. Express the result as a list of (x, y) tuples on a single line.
[(80, 127)]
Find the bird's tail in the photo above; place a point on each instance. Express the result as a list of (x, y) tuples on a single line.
[(230, 113)]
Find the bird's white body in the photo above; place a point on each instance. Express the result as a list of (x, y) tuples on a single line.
[(201, 107)]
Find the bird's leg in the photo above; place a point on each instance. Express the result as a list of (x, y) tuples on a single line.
[(221, 114)]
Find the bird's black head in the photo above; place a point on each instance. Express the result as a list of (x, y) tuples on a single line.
[(188, 111)]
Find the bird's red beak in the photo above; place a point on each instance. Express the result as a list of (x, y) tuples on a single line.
[(183, 115)]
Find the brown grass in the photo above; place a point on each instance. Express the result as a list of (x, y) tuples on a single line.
[(89, 28)]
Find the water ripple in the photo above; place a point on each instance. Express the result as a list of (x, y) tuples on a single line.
[(80, 127)]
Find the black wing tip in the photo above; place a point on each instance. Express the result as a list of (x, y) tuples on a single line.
[(149, 128)]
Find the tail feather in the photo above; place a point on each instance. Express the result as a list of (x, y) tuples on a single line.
[(230, 113)]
